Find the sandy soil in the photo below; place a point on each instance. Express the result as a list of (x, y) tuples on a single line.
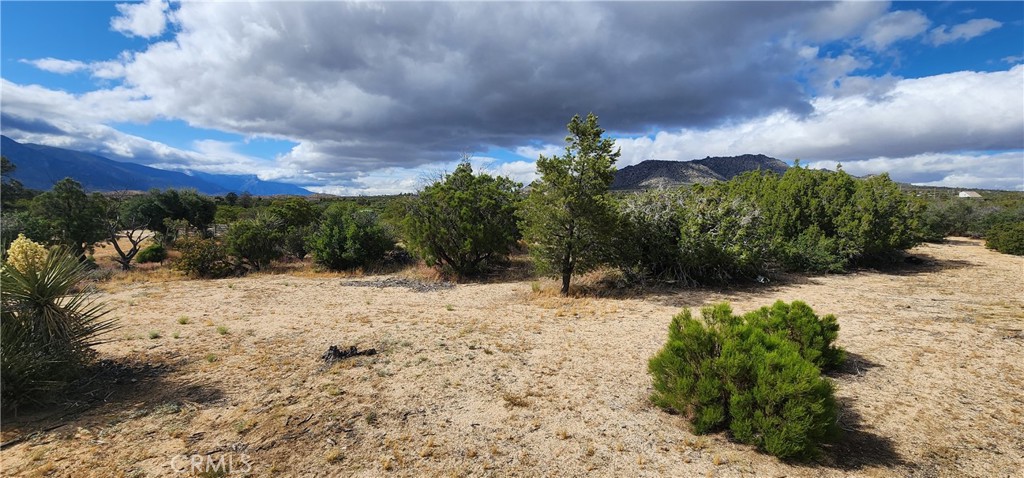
[(500, 379)]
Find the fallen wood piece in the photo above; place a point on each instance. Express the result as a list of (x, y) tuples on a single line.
[(334, 354)]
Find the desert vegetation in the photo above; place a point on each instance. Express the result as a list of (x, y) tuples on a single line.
[(601, 275)]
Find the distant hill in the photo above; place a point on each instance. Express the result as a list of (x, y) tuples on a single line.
[(39, 167), (662, 174)]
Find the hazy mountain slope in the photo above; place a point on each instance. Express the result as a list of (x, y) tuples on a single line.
[(654, 173), (39, 167)]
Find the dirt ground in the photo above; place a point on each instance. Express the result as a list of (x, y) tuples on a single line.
[(504, 379)]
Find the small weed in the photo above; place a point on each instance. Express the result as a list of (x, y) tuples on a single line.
[(535, 287), (591, 450), (333, 455), (176, 335), (37, 454), (718, 460), (168, 408), (332, 389), (371, 418), (242, 426), (222, 330), (562, 434), (211, 358), (449, 307), (512, 400), (153, 334), (183, 320)]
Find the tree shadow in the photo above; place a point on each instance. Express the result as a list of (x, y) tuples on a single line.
[(854, 365), (108, 389), (856, 447), (913, 264), (680, 296)]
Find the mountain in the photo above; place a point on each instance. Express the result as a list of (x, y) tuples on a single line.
[(39, 167), (662, 174)]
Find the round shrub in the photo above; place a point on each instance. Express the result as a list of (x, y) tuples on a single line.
[(255, 241), (1007, 237), (814, 336), (202, 258), (347, 238), (155, 252), (778, 400), (745, 374), (464, 221), (685, 375)]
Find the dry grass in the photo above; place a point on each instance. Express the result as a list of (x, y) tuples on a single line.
[(515, 380)]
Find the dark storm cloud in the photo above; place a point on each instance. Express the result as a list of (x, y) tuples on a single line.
[(409, 83)]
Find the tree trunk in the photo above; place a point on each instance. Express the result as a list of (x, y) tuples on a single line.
[(565, 283)]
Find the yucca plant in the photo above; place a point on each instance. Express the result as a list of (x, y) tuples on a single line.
[(49, 326)]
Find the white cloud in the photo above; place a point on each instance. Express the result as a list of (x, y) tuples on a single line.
[(893, 27), (147, 19), (952, 112), (965, 31), (1013, 60), (965, 170), (54, 65)]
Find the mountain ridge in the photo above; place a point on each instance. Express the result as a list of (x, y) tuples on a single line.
[(40, 166), (654, 173)]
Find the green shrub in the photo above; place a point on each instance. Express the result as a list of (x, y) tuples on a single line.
[(202, 258), (1007, 237), (722, 238), (464, 221), (686, 376), (647, 244), (814, 336), (745, 374), (347, 238), (778, 400), (255, 241), (48, 328), (155, 252), (812, 251), (881, 219)]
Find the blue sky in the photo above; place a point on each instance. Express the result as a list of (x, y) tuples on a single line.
[(372, 98)]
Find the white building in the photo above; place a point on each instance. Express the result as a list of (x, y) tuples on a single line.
[(969, 194)]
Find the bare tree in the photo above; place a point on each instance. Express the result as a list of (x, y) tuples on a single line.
[(124, 217)]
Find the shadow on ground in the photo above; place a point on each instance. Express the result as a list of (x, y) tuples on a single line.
[(108, 390), (857, 447), (854, 365)]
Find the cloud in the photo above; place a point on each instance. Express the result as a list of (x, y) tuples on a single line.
[(367, 90), (147, 19), (893, 27), (1013, 60), (942, 35), (402, 84), (54, 65), (951, 112), (965, 170)]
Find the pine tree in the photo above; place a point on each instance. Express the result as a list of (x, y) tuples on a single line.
[(569, 218)]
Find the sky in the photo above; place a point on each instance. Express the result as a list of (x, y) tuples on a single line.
[(377, 98)]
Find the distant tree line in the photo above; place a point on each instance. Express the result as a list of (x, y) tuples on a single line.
[(467, 223)]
